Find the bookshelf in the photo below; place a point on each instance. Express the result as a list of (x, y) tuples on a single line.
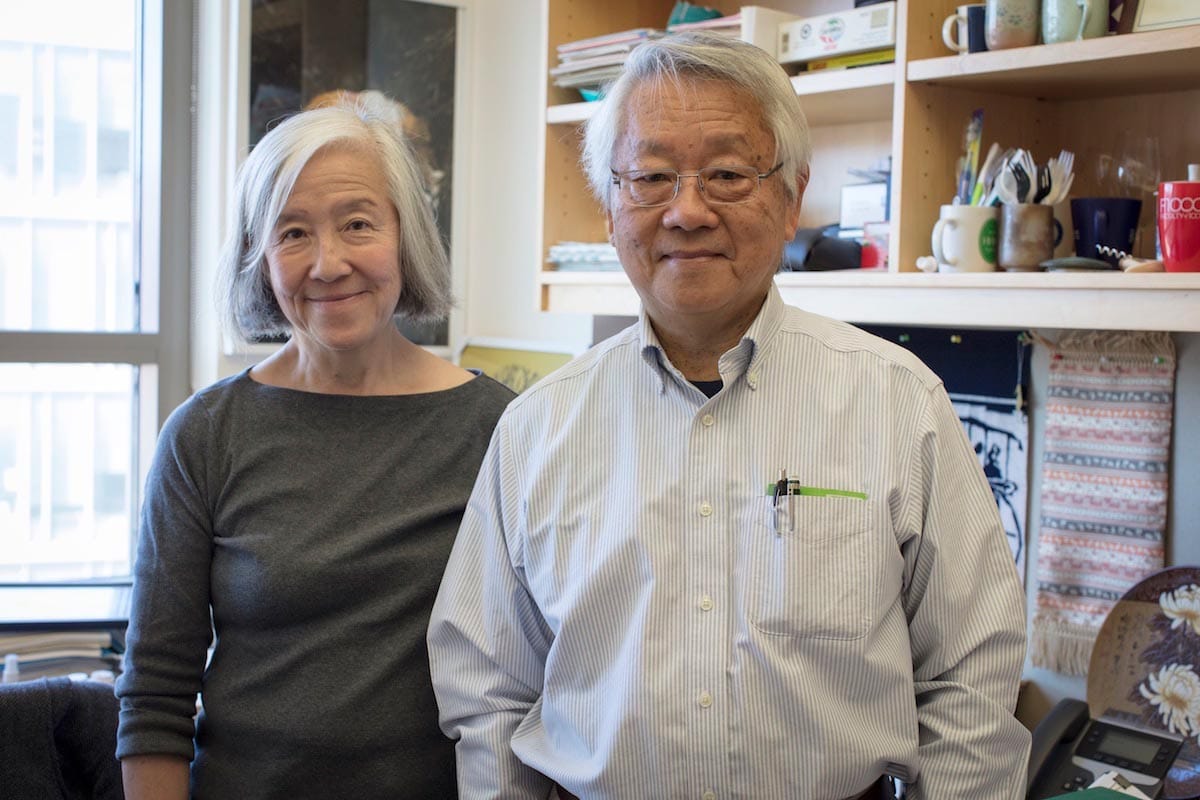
[(1074, 95)]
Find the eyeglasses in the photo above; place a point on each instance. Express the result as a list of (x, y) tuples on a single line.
[(723, 185)]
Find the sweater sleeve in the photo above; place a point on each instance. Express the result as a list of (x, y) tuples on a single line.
[(170, 623)]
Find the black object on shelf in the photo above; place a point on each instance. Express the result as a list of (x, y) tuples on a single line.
[(815, 249)]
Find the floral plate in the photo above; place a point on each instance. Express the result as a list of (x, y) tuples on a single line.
[(1145, 667)]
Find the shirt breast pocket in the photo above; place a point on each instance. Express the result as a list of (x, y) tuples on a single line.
[(815, 580)]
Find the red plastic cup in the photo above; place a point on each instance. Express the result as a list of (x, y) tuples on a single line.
[(1179, 225)]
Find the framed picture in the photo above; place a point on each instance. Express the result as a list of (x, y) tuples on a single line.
[(518, 364), (1153, 15)]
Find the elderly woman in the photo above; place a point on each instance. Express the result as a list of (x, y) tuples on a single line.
[(298, 515)]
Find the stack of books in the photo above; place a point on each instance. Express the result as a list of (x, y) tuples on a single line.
[(584, 257), (885, 56), (588, 64), (51, 654)]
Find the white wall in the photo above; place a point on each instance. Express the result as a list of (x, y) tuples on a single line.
[(503, 216)]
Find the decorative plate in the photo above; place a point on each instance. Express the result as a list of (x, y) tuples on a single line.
[(1145, 667)]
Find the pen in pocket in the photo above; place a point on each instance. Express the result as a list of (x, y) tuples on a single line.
[(784, 492)]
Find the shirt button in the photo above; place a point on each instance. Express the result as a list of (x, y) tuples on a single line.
[(752, 379), (705, 699), (705, 510), (708, 796), (706, 603), (708, 420)]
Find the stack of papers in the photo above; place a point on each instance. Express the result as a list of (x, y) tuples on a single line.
[(729, 26), (61, 653), (587, 64), (584, 257)]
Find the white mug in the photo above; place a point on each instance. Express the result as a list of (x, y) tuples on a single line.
[(1071, 20), (964, 239), (956, 29)]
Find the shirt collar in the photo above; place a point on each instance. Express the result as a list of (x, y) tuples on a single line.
[(742, 359)]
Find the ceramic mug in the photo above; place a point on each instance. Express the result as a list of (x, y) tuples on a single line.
[(1071, 20), (1179, 225), (1064, 230), (1011, 23), (1105, 227), (963, 31), (964, 239), (1026, 236)]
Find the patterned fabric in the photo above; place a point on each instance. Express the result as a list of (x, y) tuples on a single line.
[(999, 434), (1104, 485)]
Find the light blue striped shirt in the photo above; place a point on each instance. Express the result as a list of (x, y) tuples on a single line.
[(625, 614)]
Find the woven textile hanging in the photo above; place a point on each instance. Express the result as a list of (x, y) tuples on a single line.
[(1104, 485)]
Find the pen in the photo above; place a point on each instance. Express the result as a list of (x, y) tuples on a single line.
[(793, 489), (783, 504)]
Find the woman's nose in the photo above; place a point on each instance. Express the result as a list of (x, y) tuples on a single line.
[(330, 262)]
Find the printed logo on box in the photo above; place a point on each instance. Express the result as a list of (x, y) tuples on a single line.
[(832, 30)]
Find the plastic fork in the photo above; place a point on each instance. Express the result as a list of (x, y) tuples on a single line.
[(1060, 191), (1022, 178), (1004, 190), (1066, 160), (1058, 177), (1044, 183)]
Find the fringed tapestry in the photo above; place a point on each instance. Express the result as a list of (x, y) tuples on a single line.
[(1107, 442)]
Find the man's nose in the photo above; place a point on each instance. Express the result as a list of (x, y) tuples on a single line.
[(690, 208)]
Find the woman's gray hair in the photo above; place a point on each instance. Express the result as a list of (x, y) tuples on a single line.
[(265, 181), (700, 56)]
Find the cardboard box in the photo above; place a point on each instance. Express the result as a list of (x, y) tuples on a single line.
[(852, 31)]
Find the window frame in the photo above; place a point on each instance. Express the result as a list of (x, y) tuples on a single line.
[(162, 179)]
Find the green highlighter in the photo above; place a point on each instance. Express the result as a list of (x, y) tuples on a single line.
[(793, 487), (1092, 794)]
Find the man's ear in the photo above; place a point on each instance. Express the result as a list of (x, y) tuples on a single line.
[(794, 205), (609, 220)]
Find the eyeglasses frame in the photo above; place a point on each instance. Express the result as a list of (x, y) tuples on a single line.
[(679, 176)]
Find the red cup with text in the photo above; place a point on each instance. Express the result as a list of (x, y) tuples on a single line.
[(1179, 225)]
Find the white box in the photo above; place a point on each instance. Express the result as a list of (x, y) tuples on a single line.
[(863, 203), (760, 26), (854, 31)]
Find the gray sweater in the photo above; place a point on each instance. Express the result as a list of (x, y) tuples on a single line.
[(316, 528)]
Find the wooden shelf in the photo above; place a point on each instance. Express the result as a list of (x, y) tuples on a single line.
[(1111, 66), (570, 113), (835, 97), (838, 97), (1045, 97), (1115, 301)]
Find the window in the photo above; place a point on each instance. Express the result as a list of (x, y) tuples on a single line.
[(95, 155)]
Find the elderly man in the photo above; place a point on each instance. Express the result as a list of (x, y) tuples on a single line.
[(737, 550)]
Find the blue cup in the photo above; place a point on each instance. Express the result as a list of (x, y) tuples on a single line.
[(1105, 227)]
